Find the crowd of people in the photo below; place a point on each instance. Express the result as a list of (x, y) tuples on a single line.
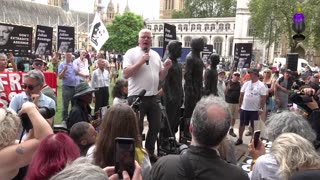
[(284, 107)]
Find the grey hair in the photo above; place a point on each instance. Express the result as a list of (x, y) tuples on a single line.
[(81, 168), (145, 31), (35, 74), (289, 122), (210, 131), (292, 152), (9, 127)]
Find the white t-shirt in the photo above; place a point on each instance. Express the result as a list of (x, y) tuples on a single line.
[(147, 77), (252, 95)]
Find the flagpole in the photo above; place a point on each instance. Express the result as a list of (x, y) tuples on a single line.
[(78, 30)]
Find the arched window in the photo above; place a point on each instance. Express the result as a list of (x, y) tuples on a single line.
[(212, 27), (160, 41), (198, 27), (180, 27), (155, 27), (221, 26), (193, 27), (188, 41), (227, 26), (230, 46), (250, 31), (149, 27), (206, 27), (160, 27), (217, 45), (185, 27)]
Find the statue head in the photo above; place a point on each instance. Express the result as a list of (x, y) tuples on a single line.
[(214, 59), (197, 44), (174, 49)]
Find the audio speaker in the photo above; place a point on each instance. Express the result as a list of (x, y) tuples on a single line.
[(292, 61)]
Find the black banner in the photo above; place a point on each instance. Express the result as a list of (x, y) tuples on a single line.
[(242, 56), (169, 34), (15, 39), (65, 39), (207, 50), (43, 44)]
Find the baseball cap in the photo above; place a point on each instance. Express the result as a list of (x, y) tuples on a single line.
[(254, 70)]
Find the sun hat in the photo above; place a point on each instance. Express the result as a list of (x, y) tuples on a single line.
[(82, 89)]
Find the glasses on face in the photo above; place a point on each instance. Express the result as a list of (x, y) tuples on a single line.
[(145, 37), (38, 64), (29, 86), (238, 75)]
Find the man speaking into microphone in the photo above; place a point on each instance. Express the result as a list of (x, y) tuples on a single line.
[(143, 68)]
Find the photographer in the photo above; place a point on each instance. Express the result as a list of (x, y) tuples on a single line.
[(14, 156), (312, 108)]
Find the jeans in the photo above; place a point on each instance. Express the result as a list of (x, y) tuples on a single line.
[(67, 94)]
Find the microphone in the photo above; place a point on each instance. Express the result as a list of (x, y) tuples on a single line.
[(136, 102), (146, 50)]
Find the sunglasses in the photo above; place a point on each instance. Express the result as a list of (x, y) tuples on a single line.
[(29, 86), (238, 75), (38, 64)]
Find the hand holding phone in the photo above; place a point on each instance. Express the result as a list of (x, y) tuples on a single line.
[(256, 137), (124, 156)]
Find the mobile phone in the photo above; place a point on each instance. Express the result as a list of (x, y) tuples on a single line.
[(256, 137), (124, 156)]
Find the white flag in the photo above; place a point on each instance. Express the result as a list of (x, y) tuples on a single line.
[(98, 33)]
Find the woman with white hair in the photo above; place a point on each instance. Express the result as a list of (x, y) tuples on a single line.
[(14, 156), (294, 153)]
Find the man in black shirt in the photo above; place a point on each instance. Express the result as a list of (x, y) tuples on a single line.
[(232, 94)]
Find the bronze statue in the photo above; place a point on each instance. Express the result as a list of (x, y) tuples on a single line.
[(211, 76), (172, 89), (193, 80)]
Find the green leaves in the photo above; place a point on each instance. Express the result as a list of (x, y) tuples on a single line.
[(123, 32)]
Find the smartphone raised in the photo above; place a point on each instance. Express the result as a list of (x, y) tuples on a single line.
[(124, 155), (256, 137)]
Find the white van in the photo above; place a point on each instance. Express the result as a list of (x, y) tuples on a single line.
[(301, 63)]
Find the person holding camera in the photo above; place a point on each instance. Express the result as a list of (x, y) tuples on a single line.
[(209, 126), (14, 156)]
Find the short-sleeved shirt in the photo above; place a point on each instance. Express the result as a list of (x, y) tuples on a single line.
[(252, 95), (147, 77), (18, 100), (82, 67)]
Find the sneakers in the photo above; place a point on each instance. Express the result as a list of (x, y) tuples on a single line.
[(248, 133), (238, 142), (231, 133)]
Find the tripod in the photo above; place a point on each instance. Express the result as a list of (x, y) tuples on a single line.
[(172, 147)]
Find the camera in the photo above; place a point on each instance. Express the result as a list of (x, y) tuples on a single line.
[(301, 98), (44, 111)]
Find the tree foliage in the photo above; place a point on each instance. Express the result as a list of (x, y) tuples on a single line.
[(206, 8), (275, 17), (123, 32)]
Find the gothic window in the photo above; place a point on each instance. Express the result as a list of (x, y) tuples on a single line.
[(198, 27), (187, 41), (149, 27), (160, 41), (221, 26), (217, 45), (180, 27), (155, 27)]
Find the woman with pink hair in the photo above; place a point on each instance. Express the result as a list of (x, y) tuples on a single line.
[(51, 156)]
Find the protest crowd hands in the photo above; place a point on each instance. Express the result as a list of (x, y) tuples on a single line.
[(110, 170)]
